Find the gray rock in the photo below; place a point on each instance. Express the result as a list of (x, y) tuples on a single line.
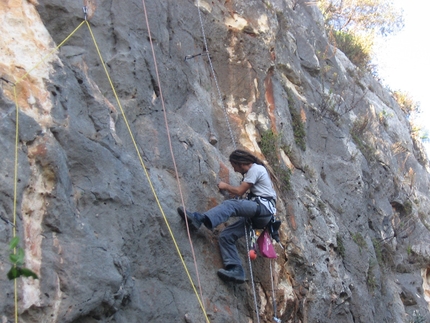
[(97, 206)]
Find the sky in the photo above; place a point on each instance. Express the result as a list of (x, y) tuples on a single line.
[(404, 59)]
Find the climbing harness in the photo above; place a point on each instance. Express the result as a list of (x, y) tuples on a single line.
[(234, 145), (85, 21)]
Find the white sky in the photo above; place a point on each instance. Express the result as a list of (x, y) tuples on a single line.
[(403, 60)]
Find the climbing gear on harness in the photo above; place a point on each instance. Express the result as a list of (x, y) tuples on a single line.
[(265, 245), (273, 227), (234, 274), (248, 226), (195, 219), (252, 254)]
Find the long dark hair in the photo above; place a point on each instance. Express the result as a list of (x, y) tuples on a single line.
[(240, 156)]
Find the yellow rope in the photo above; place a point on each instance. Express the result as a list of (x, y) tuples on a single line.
[(15, 184), (15, 189), (50, 53), (134, 143), (146, 173), (169, 139)]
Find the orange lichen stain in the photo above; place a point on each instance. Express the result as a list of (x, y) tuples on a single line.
[(291, 217), (91, 8), (270, 99), (236, 119), (228, 310), (272, 54), (425, 273), (229, 6), (211, 306), (38, 151), (212, 202), (303, 114), (224, 173), (24, 90)]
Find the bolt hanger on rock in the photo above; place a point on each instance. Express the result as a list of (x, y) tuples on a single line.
[(192, 56), (85, 10)]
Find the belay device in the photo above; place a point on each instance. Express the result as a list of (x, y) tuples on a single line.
[(273, 227)]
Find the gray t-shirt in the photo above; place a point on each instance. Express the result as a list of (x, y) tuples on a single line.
[(262, 185)]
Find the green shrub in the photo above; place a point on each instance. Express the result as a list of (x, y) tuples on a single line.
[(297, 123), (356, 47), (354, 24), (371, 278), (298, 129), (270, 145), (357, 135), (16, 257), (340, 246), (359, 240), (378, 251)]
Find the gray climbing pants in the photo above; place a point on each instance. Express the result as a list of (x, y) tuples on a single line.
[(245, 209)]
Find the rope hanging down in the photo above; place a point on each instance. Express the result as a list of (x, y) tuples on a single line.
[(234, 145), (215, 78), (134, 143), (251, 273), (275, 318), (15, 190), (147, 174), (172, 154)]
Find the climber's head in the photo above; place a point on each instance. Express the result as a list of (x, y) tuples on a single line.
[(242, 160)]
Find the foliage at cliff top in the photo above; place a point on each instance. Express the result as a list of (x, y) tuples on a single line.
[(354, 24), (362, 16)]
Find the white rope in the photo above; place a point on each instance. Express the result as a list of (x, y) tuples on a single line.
[(252, 276), (273, 295), (234, 146), (216, 81)]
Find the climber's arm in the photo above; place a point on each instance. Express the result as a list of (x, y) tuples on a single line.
[(235, 190)]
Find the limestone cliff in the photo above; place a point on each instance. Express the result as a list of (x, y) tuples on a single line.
[(96, 182)]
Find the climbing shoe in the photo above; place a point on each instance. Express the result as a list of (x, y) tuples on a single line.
[(234, 274), (195, 219)]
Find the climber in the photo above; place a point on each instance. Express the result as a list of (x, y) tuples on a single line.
[(259, 208)]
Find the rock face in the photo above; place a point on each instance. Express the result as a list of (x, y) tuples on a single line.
[(97, 189)]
